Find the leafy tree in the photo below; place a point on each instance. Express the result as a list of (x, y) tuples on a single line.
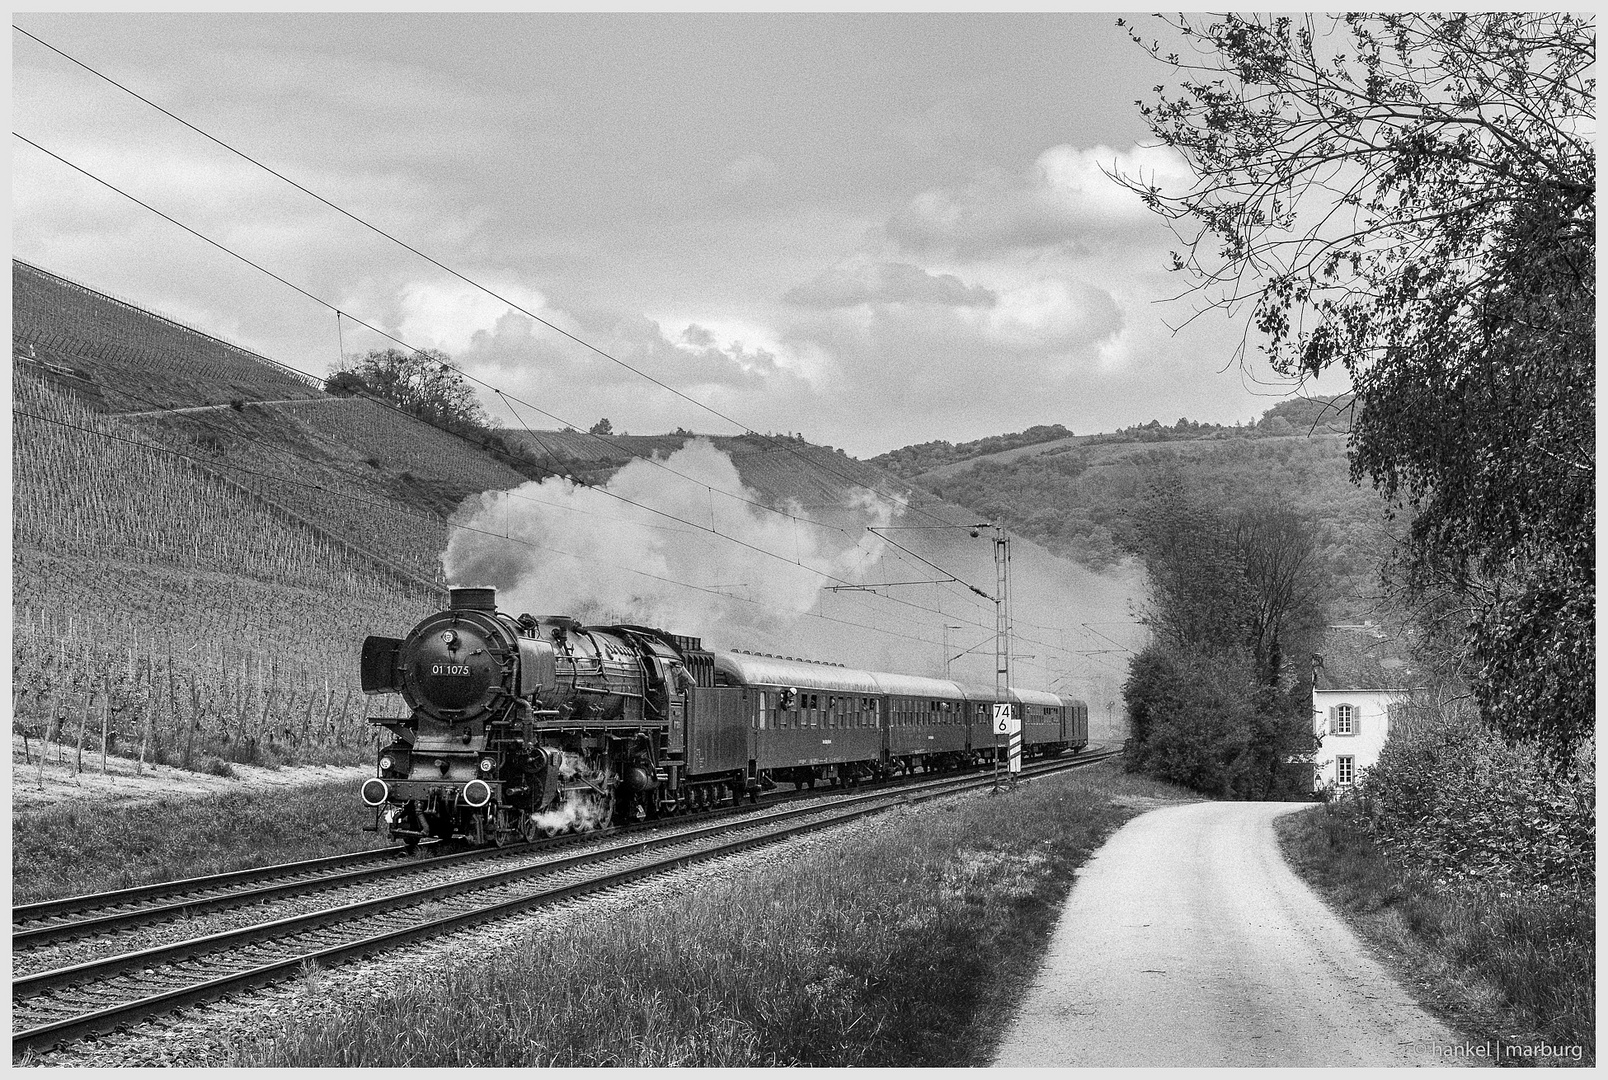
[(423, 383), (602, 427), (1412, 197), (1223, 578), (344, 383), (1201, 720), (1234, 590)]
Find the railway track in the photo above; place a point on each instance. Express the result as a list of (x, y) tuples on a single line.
[(376, 908), (52, 922)]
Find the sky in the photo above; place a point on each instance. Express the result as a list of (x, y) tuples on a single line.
[(871, 230)]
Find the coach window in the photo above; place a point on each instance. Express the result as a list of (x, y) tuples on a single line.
[(760, 712)]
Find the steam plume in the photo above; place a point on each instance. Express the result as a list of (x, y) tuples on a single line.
[(607, 555)]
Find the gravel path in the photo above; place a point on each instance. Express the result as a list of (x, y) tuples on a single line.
[(1188, 941)]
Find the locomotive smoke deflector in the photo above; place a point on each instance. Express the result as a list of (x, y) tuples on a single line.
[(382, 666)]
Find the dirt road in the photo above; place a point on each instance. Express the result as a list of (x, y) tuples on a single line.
[(1187, 940)]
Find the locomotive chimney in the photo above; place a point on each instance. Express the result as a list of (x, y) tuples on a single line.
[(473, 599)]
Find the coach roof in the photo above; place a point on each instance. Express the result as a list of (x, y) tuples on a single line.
[(746, 669)]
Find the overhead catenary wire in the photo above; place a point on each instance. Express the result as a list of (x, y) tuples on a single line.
[(487, 290), (314, 298), (747, 429), (324, 303)]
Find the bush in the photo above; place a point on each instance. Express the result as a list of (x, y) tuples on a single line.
[(216, 766), (1450, 796), (1200, 718)]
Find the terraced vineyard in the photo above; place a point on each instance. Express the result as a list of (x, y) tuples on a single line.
[(124, 348), (196, 584), (161, 599)]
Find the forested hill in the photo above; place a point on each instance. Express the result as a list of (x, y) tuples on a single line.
[(914, 460), (1076, 495)]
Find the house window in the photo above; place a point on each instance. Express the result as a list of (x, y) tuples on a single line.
[(1345, 719), (1345, 770)]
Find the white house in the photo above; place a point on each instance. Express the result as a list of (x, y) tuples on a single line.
[(1356, 694), (1352, 725)]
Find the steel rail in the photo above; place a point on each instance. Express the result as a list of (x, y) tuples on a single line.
[(45, 909), (839, 812)]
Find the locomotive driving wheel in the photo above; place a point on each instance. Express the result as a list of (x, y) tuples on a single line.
[(529, 829)]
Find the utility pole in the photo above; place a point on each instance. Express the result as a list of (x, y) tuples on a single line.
[(1002, 645), (1006, 722), (947, 657)]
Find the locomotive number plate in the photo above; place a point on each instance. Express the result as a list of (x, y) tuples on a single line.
[(449, 669)]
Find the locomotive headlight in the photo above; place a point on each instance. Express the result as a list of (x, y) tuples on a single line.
[(487, 764), (387, 762)]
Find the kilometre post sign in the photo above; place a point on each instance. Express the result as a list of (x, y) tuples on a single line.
[(1004, 722)]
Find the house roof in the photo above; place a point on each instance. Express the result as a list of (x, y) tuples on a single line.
[(1360, 657)]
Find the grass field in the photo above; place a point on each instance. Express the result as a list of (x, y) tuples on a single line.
[(1512, 967), (71, 849), (905, 949)]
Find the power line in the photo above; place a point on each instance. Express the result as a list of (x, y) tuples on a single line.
[(404, 344), (445, 268), (475, 284)]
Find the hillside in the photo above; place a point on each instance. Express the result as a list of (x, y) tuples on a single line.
[(199, 532), (1075, 495), (932, 456)]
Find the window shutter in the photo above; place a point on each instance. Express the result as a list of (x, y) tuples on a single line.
[(1331, 720), (1356, 720)]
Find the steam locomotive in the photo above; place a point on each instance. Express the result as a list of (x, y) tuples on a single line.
[(523, 727)]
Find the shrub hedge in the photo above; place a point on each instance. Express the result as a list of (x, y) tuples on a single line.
[(1450, 796)]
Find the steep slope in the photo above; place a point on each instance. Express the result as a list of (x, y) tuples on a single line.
[(202, 537)]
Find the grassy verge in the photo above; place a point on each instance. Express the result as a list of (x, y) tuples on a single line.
[(77, 848), (1515, 969), (904, 945)]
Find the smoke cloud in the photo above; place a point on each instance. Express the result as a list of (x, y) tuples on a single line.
[(669, 543)]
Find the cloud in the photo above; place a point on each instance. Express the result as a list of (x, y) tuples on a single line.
[(749, 170), (856, 283), (1062, 200), (1052, 314)]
